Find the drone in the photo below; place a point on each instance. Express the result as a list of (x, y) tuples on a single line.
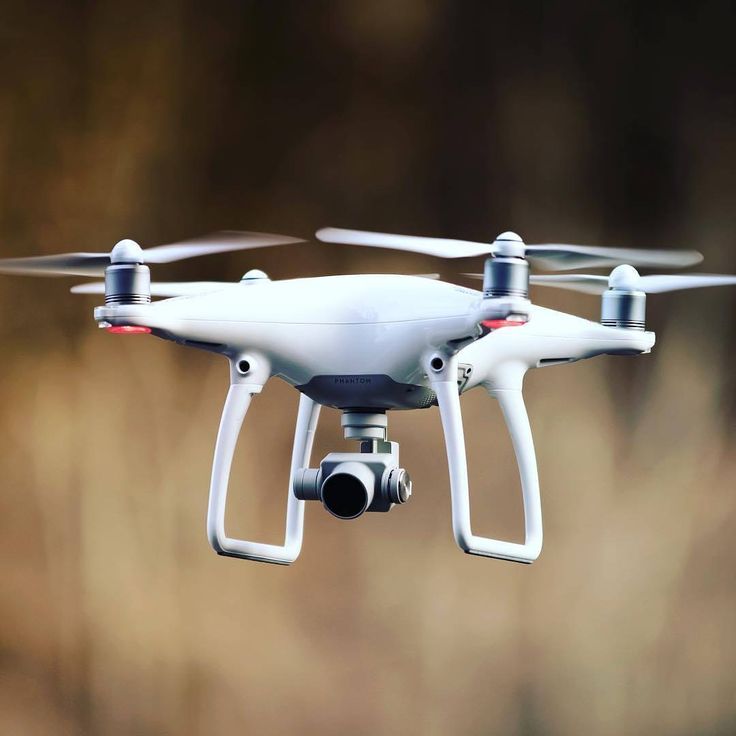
[(370, 344)]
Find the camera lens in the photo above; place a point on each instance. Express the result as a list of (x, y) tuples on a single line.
[(348, 491), (344, 496)]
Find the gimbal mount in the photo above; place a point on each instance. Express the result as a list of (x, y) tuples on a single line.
[(348, 484)]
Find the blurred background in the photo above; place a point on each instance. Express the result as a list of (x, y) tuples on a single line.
[(580, 122)]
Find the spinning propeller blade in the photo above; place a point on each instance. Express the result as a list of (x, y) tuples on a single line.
[(567, 257), (655, 284), (164, 289), (67, 264), (186, 288), (589, 284), (94, 264), (221, 242), (439, 247), (548, 255)]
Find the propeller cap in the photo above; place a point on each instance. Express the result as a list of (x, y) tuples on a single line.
[(625, 278), (254, 275), (510, 245), (127, 251)]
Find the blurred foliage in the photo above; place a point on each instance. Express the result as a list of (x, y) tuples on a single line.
[(583, 122)]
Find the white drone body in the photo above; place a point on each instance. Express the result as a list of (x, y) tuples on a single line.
[(374, 342), (367, 344)]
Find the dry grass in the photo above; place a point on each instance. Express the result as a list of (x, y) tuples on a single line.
[(163, 121), (118, 618)]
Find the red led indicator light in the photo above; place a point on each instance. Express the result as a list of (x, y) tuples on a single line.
[(495, 324), (128, 330)]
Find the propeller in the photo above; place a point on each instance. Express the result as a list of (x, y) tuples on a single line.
[(164, 289), (547, 255), (128, 251), (192, 288), (628, 279)]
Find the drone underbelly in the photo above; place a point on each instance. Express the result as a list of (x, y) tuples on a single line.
[(334, 343), (367, 391), (356, 365)]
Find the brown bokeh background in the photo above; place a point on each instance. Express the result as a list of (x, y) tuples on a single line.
[(571, 121)]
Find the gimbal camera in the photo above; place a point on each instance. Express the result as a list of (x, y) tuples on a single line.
[(350, 483)]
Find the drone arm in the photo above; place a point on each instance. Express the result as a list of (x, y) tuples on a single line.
[(236, 406), (517, 421)]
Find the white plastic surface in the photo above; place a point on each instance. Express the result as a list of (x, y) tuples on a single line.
[(512, 405), (369, 324), (236, 406), (126, 251), (500, 359), (376, 324), (372, 324)]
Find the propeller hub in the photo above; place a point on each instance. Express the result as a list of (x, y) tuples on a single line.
[(624, 278), (509, 245), (509, 235), (254, 276), (127, 251)]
